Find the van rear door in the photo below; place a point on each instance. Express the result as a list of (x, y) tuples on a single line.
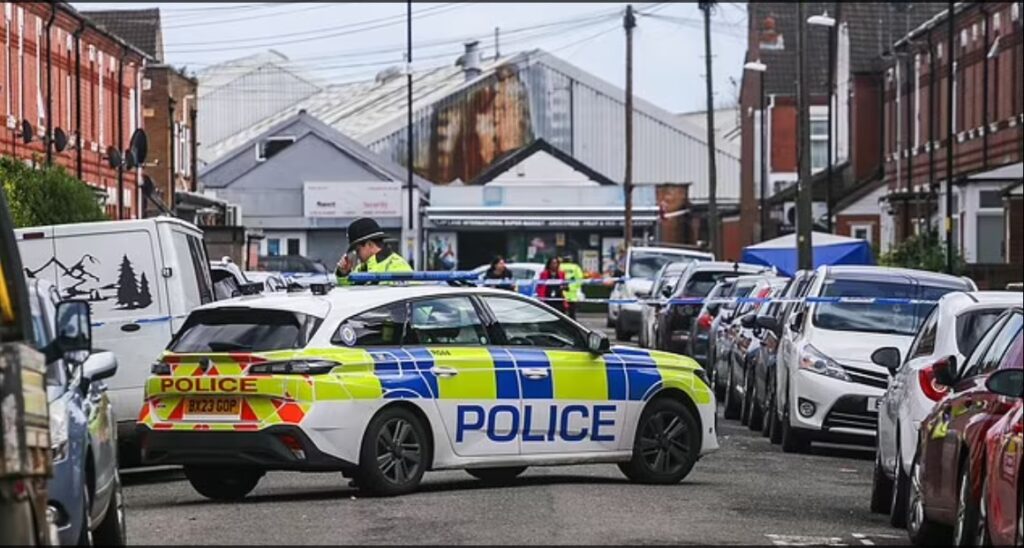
[(189, 284)]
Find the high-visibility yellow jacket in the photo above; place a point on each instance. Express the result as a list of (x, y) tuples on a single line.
[(573, 275), (384, 261)]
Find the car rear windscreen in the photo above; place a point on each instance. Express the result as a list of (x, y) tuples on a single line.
[(701, 283), (646, 264), (892, 319), (972, 326), (243, 330)]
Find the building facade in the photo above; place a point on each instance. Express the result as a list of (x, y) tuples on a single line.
[(70, 96)]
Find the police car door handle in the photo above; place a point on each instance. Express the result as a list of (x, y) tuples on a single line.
[(444, 371), (535, 373)]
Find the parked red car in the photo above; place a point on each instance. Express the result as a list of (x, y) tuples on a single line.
[(946, 477), (1001, 518)]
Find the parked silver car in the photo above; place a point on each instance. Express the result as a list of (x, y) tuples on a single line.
[(85, 488)]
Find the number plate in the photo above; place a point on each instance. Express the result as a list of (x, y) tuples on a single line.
[(213, 407), (874, 404)]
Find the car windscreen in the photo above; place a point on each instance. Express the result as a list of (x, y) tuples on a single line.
[(972, 326), (646, 264), (243, 330), (892, 319)]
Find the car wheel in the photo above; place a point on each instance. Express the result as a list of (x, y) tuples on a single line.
[(775, 429), (793, 441), (394, 453), (732, 407), (921, 530), (620, 332), (666, 445), (966, 523), (900, 496), (497, 476), (608, 322), (112, 531), (767, 414), (881, 488), (981, 534), (85, 533), (745, 401), (755, 419), (1020, 523), (223, 483)]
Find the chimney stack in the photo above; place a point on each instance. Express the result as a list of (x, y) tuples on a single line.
[(470, 60)]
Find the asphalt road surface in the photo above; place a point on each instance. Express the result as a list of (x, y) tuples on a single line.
[(748, 492)]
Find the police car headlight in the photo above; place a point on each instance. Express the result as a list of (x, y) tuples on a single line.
[(293, 367), (813, 360), (59, 430)]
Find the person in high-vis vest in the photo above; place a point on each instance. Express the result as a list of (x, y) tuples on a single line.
[(574, 291), (366, 238)]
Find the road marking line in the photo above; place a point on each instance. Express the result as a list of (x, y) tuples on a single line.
[(863, 539), (802, 540)]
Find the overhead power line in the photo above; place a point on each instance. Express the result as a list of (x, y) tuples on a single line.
[(208, 22)]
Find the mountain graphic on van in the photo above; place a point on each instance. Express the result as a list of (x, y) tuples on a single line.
[(78, 281)]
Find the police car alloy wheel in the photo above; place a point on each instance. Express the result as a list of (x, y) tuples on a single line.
[(666, 445), (496, 475), (394, 454), (222, 483)]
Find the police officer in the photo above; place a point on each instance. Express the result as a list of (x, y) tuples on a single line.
[(574, 276), (367, 239)]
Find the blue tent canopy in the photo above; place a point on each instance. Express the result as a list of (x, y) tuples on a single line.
[(829, 249)]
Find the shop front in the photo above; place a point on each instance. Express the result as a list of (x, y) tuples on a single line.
[(469, 226)]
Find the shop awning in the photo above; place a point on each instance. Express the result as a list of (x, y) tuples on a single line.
[(539, 217)]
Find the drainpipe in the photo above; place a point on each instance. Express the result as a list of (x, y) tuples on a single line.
[(931, 128), (171, 164), (193, 146), (984, 90), (78, 97), (768, 148), (49, 84), (120, 131)]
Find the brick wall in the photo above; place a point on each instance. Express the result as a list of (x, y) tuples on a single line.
[(168, 138), (23, 94)]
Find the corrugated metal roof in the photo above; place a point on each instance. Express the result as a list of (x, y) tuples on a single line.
[(514, 100)]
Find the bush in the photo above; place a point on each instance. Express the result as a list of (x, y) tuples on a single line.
[(47, 195), (922, 252)]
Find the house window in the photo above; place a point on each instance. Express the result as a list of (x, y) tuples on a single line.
[(863, 232), (819, 144), (271, 146), (991, 233), (1015, 11)]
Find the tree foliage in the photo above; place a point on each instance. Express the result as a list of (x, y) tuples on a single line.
[(47, 195), (922, 252)]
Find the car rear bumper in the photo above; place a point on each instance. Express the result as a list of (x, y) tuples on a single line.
[(630, 316), (264, 449)]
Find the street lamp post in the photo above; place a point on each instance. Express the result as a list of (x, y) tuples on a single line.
[(830, 23), (760, 68)]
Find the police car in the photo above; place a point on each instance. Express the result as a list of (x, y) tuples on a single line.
[(384, 383)]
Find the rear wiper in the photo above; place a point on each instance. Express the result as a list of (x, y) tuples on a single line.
[(226, 346)]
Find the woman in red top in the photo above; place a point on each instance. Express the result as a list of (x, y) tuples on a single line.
[(553, 295)]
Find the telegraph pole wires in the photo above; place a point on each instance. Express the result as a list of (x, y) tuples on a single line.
[(805, 251), (713, 233), (629, 23)]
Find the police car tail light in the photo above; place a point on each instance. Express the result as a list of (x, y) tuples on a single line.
[(293, 367), (160, 368)]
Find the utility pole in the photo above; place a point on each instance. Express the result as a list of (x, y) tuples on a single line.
[(951, 73), (629, 22), (831, 130), (713, 234), (805, 257), (408, 125)]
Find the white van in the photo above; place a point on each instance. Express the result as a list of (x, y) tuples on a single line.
[(141, 278)]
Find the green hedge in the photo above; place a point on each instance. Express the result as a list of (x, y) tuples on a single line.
[(47, 195)]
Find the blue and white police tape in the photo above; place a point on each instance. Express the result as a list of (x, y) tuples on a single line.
[(466, 276)]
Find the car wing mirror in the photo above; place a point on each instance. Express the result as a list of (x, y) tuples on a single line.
[(1006, 382), (748, 321), (74, 332), (769, 323), (100, 365), (597, 343), (945, 371), (887, 357)]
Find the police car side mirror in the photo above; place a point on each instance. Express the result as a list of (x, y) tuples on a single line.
[(597, 343)]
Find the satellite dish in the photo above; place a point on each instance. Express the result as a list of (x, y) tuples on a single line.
[(26, 131), (114, 157), (129, 160), (147, 186), (60, 140), (139, 146)]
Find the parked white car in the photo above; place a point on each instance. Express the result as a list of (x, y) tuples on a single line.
[(828, 387), (954, 328), (141, 279), (524, 275)]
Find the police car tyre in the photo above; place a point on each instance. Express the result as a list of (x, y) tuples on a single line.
[(667, 444), (222, 483), (881, 488), (496, 475), (394, 453), (900, 495), (112, 531)]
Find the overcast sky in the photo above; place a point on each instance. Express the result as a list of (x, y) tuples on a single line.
[(348, 41)]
